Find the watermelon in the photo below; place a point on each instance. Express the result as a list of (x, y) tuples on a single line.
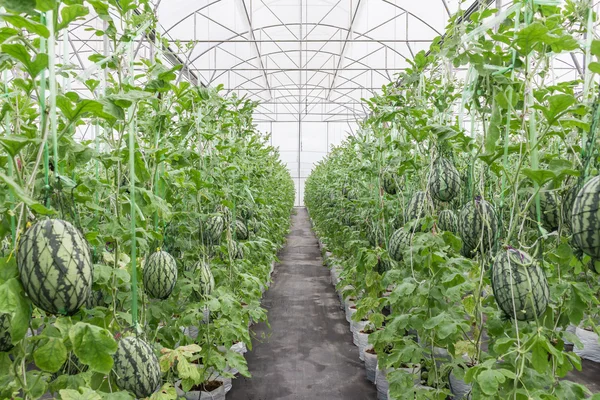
[(136, 367), (444, 181), (585, 218), (389, 181), (419, 206), (5, 338), (567, 205), (160, 275), (447, 221), (72, 366), (95, 299), (236, 250), (383, 265), (519, 285), (254, 226), (55, 266), (398, 242), (225, 213), (549, 210), (213, 230), (241, 231), (477, 226), (206, 280), (375, 235)]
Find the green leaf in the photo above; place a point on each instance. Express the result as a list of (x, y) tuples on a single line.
[(14, 144), (493, 133), (20, 53), (116, 396), (14, 302), (93, 346), (489, 381), (167, 392), (21, 195), (539, 357), (81, 394), (45, 5), (51, 355), (557, 104), (72, 13), (530, 36), (595, 67), (19, 6), (540, 176), (26, 23), (595, 49)]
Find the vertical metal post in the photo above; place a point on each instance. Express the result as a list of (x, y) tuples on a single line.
[(300, 115)]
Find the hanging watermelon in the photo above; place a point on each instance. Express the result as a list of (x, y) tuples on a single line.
[(477, 225), (519, 284), (585, 218), (383, 265), (55, 266), (225, 213), (136, 367), (160, 275), (236, 250), (447, 221), (444, 181), (375, 235), (419, 206), (549, 210), (398, 242), (389, 181), (241, 231), (213, 230), (206, 280)]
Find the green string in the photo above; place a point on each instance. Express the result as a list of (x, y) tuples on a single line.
[(43, 120), (134, 284)]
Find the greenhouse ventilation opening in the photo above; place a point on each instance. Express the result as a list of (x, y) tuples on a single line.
[(268, 199)]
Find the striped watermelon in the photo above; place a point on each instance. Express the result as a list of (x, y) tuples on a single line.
[(444, 181), (5, 337), (241, 231), (383, 265), (419, 206), (375, 235), (206, 281), (213, 230), (55, 266), (236, 250), (254, 226), (136, 367), (519, 284), (549, 210), (567, 205), (398, 242), (585, 218), (225, 213), (160, 275), (478, 225), (389, 181), (447, 221)]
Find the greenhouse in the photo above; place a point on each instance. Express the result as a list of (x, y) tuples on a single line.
[(300, 199)]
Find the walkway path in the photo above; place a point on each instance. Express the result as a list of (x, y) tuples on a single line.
[(308, 352)]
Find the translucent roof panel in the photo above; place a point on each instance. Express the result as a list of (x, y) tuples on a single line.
[(303, 59)]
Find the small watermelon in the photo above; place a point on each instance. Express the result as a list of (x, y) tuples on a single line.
[(375, 235), (444, 181), (236, 250), (55, 266), (213, 230), (419, 206), (549, 210), (478, 225), (585, 218), (95, 299), (519, 284), (398, 242), (136, 367), (206, 280), (389, 181), (447, 221), (241, 231), (160, 275), (225, 213), (5, 338), (254, 226), (383, 265)]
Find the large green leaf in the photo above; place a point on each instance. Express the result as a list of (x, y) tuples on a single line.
[(93, 346), (530, 36), (19, 52), (26, 23), (13, 144), (14, 302), (19, 6), (51, 355), (81, 394), (72, 13)]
